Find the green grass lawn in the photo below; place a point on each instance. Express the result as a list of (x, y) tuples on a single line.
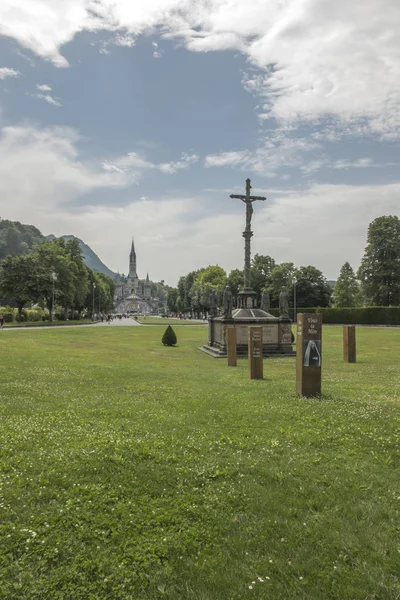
[(133, 470)]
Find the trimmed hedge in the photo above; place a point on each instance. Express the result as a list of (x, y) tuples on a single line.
[(370, 315), (169, 337)]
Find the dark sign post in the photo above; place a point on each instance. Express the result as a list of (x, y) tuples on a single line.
[(308, 359), (231, 346), (255, 352), (349, 343)]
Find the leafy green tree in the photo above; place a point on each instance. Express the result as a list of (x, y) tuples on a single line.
[(312, 288), (18, 280), (281, 275), (379, 271), (212, 278), (172, 300), (235, 282), (53, 257), (261, 269), (80, 273), (347, 291)]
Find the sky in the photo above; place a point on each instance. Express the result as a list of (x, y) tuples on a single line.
[(123, 118)]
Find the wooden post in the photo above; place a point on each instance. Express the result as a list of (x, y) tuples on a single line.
[(231, 346), (349, 343), (255, 352), (308, 354)]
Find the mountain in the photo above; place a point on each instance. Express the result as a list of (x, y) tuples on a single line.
[(91, 259), (17, 239)]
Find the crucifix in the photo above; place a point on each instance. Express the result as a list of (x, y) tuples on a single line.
[(247, 233)]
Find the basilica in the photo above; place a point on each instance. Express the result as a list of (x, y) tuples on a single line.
[(132, 295)]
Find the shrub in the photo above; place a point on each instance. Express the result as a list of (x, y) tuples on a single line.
[(169, 337), (8, 316), (33, 314)]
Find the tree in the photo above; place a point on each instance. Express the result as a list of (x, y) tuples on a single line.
[(54, 257), (281, 275), (379, 271), (172, 299), (347, 291), (235, 282), (205, 280), (312, 288), (18, 280), (261, 268)]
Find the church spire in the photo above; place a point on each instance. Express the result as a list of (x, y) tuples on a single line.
[(133, 253), (132, 262), (147, 278)]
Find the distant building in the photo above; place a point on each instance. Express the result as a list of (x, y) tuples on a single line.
[(132, 295)]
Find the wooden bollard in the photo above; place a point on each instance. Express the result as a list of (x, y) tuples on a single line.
[(349, 343), (231, 346), (308, 354), (255, 352)]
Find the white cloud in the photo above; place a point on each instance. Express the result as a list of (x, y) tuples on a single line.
[(184, 163), (47, 98), (43, 87), (315, 57), (6, 72), (40, 170), (279, 151), (134, 164), (225, 159)]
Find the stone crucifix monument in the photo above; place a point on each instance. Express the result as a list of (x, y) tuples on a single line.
[(276, 331)]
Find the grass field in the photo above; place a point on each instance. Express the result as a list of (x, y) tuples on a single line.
[(133, 470)]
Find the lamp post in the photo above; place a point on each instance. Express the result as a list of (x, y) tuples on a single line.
[(294, 300), (54, 278), (94, 287)]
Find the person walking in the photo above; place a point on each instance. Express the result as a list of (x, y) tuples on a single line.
[(1, 321)]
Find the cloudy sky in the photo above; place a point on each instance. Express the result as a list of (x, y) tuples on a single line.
[(132, 117)]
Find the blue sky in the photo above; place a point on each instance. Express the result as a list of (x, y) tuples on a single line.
[(121, 119)]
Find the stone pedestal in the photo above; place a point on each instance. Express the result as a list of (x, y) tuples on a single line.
[(231, 346), (255, 345), (349, 343), (308, 360), (276, 333)]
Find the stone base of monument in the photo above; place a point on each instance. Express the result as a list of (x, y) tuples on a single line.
[(277, 333)]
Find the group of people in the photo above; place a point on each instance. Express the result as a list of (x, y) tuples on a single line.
[(110, 317)]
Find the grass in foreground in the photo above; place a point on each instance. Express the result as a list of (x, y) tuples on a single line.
[(133, 470)]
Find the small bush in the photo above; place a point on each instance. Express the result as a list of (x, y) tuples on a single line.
[(8, 316), (169, 337)]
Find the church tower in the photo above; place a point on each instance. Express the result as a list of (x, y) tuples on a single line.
[(133, 280), (132, 262)]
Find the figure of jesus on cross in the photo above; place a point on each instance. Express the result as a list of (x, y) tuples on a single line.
[(248, 200), (247, 233)]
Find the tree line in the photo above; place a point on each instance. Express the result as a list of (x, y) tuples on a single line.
[(55, 275), (376, 283)]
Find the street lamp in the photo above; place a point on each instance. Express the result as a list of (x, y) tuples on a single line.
[(294, 280), (54, 278), (94, 287)]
